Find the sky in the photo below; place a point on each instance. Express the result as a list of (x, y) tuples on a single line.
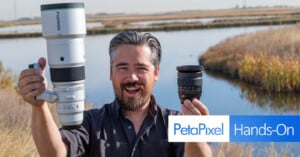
[(13, 9)]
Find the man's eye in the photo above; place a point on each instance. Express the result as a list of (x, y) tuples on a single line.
[(143, 69), (122, 68)]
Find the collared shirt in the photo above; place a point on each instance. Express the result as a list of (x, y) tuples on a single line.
[(106, 132)]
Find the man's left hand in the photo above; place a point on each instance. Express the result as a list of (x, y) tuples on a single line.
[(194, 107), (196, 149)]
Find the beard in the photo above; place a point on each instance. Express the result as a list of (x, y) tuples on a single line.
[(132, 103)]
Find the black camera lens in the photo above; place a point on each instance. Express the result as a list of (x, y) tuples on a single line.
[(189, 80)]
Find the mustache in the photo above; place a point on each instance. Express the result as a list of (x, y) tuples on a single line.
[(132, 84)]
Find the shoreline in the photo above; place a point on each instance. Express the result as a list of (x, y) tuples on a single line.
[(238, 17), (162, 27)]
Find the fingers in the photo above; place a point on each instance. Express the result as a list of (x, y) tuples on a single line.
[(190, 109), (31, 83), (194, 108), (30, 96), (201, 107), (32, 89), (28, 72), (29, 76)]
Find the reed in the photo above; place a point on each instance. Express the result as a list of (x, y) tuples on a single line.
[(15, 117), (247, 150), (6, 77), (269, 59)]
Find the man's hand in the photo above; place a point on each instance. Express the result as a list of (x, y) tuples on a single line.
[(32, 83), (196, 149), (194, 108)]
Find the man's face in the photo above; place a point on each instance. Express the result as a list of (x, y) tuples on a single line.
[(133, 75)]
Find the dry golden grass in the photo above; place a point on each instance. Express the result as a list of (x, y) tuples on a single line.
[(15, 117), (244, 150), (126, 18), (6, 77), (15, 120), (15, 137), (232, 149), (270, 59)]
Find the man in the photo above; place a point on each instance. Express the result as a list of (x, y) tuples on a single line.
[(132, 125)]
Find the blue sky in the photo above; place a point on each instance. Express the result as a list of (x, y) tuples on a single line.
[(10, 9)]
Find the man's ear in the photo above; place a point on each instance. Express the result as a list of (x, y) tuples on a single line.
[(156, 72), (110, 73)]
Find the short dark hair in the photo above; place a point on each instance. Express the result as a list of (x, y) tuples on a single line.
[(136, 38)]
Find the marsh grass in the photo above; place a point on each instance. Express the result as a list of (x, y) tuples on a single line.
[(269, 59), (232, 149), (6, 77), (15, 119), (247, 150), (15, 137)]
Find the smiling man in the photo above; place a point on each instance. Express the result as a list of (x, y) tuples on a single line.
[(133, 125)]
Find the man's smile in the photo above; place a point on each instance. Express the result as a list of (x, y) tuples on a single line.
[(132, 89)]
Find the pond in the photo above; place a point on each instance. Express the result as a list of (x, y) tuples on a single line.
[(201, 20), (37, 28)]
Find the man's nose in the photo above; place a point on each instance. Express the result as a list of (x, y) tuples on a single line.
[(132, 76)]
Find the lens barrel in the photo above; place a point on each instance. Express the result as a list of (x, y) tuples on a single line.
[(189, 81), (64, 28)]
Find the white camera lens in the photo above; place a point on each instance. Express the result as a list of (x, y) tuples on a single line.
[(64, 28)]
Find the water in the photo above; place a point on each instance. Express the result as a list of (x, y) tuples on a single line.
[(146, 23), (201, 20), (222, 96), (37, 28), (21, 29)]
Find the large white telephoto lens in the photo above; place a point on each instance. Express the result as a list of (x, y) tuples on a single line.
[(64, 28)]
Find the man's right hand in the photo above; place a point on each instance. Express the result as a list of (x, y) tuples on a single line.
[(32, 82)]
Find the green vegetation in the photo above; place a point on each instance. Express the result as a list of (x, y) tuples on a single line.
[(269, 59)]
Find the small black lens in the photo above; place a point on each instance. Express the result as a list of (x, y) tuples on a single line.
[(189, 80)]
